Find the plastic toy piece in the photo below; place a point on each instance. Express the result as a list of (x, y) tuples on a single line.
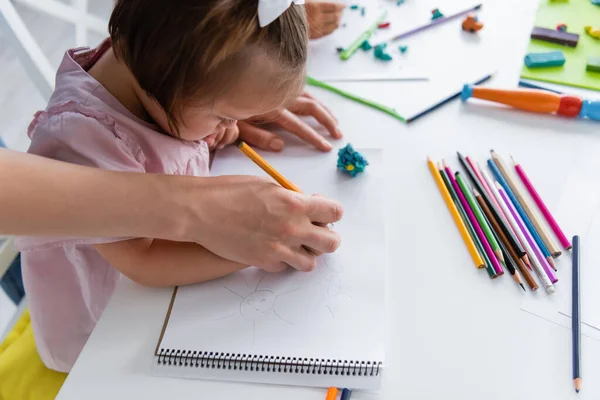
[(400, 2), (351, 161), (596, 2), (561, 27), (380, 53), (555, 36), (354, 7), (366, 46), (362, 12), (384, 25), (471, 24), (543, 60), (435, 13), (535, 100), (593, 64), (593, 32), (339, 49), (403, 49)]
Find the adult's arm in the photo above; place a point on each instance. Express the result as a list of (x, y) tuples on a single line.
[(245, 219)]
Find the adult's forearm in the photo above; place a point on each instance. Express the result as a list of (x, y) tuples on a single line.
[(39, 196)]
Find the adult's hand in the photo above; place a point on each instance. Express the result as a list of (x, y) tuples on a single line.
[(252, 131), (253, 221), (323, 17)]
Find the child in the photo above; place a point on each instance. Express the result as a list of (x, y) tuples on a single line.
[(170, 84)]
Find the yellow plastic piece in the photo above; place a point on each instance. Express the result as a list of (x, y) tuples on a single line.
[(23, 375), (593, 32), (350, 167)]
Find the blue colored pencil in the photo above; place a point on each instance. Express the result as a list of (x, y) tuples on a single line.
[(444, 101), (576, 316), (346, 393), (528, 85), (520, 210)]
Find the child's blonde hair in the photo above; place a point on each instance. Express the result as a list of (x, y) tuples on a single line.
[(184, 51)]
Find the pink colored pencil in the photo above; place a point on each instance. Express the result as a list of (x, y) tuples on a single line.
[(540, 203), (486, 245), (537, 253)]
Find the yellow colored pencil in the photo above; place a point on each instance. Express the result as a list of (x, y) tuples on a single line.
[(265, 166), (455, 215)]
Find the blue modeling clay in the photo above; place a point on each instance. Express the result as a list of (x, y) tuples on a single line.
[(366, 45), (435, 14), (380, 52), (403, 49), (350, 161)]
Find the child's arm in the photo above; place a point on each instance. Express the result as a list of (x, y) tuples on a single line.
[(156, 262)]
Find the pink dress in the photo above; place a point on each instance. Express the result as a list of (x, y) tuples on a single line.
[(68, 284)]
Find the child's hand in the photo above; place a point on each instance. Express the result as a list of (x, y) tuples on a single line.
[(323, 17), (223, 137)]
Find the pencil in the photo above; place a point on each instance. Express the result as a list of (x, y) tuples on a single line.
[(493, 246), (542, 238), (388, 110), (576, 316), (346, 393), (503, 241), (522, 266), (463, 215), (366, 35), (454, 212), (542, 206), (331, 393), (265, 166), (503, 225), (529, 244), (506, 213)]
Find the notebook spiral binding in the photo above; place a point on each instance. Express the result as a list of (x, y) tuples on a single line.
[(246, 362)]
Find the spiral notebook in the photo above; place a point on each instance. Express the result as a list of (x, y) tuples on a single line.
[(322, 328)]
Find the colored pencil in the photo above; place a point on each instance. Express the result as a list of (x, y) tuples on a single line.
[(431, 24), (366, 35), (265, 166), (576, 316), (529, 85), (469, 217), (465, 219), (505, 228), (522, 266), (494, 248), (479, 172), (492, 186), (542, 238), (542, 206), (502, 240), (448, 99), (535, 256), (346, 393), (454, 212), (331, 393), (388, 110)]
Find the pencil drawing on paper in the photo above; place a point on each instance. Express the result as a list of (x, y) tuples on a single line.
[(258, 305), (331, 265), (334, 293)]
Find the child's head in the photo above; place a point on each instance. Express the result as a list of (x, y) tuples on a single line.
[(206, 63)]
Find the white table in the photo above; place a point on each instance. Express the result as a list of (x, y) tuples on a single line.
[(453, 333)]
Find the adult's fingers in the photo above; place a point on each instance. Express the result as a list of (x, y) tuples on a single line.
[(331, 6), (259, 137), (300, 259), (290, 122), (323, 210), (310, 96), (304, 106)]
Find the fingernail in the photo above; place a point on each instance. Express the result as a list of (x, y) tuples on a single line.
[(339, 132), (276, 144), (327, 145)]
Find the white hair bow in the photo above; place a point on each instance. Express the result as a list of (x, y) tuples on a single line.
[(270, 10)]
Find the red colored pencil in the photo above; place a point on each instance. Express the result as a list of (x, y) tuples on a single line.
[(540, 203)]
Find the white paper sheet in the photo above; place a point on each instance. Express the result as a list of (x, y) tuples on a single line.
[(335, 312)]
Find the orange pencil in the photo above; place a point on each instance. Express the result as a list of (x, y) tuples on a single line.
[(265, 166), (331, 393)]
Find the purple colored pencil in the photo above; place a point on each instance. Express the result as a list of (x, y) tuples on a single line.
[(486, 245), (435, 22), (549, 273)]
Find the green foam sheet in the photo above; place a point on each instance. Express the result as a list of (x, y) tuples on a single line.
[(576, 14)]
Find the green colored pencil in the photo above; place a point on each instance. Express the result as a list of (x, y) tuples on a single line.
[(488, 265), (390, 111), (487, 230), (366, 35)]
